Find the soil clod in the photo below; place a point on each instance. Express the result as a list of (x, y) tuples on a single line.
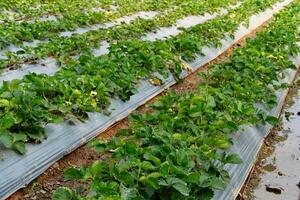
[(274, 189)]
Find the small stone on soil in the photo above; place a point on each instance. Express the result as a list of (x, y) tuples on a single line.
[(55, 165), (280, 174), (43, 191), (274, 189)]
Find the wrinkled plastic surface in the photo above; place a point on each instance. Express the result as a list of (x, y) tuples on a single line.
[(186, 22), (16, 171), (247, 144)]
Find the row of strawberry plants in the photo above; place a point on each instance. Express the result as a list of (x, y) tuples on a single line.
[(86, 84), (30, 9), (14, 33), (63, 45), (177, 150), (22, 10)]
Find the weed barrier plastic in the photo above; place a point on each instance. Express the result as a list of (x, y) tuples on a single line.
[(248, 142), (16, 171)]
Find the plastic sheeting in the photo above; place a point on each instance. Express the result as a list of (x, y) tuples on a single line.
[(247, 144), (17, 171), (186, 22)]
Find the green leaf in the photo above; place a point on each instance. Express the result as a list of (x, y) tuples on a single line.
[(205, 181), (233, 159), (128, 193), (146, 165), (20, 147), (193, 178), (126, 178), (152, 158), (239, 106), (99, 145), (211, 101), (154, 175), (65, 193), (36, 134), (124, 166), (73, 173), (20, 137), (164, 169), (177, 184), (217, 184), (130, 148), (152, 182), (272, 120), (4, 103), (182, 188), (6, 139), (6, 122), (205, 194), (232, 126), (97, 168)]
